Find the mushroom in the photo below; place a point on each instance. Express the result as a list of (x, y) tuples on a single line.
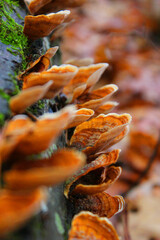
[(105, 108), (41, 64), (53, 170), (35, 5), (79, 90), (85, 78), (86, 225), (42, 25), (100, 133), (97, 97), (23, 137), (45, 6), (81, 116), (60, 75), (92, 168), (17, 207), (27, 97), (101, 180), (101, 204)]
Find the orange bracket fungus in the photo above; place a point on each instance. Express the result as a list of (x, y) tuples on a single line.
[(81, 116), (105, 108), (60, 75), (17, 207), (35, 5), (89, 162), (30, 174), (96, 98), (42, 25), (45, 6), (85, 78), (100, 133), (101, 204), (89, 226), (96, 181), (27, 97), (23, 137), (100, 162), (41, 64)]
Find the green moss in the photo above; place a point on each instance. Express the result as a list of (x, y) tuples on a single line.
[(14, 81), (58, 223), (4, 95), (11, 33), (38, 108), (41, 104), (2, 118)]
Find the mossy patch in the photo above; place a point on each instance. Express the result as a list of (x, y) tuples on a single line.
[(2, 119), (11, 33), (4, 95), (58, 223)]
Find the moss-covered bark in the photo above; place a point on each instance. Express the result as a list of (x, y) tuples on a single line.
[(16, 51)]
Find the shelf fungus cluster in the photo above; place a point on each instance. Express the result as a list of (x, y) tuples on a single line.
[(27, 179), (86, 190), (44, 20), (88, 162)]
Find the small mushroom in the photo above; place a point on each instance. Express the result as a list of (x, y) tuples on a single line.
[(101, 204), (102, 161), (60, 75), (17, 207), (27, 97), (98, 134), (42, 25), (41, 64), (23, 137), (34, 173), (86, 225)]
